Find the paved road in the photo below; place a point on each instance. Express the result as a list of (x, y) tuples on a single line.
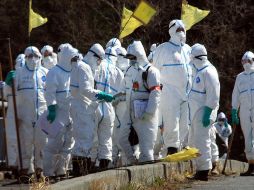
[(224, 183)]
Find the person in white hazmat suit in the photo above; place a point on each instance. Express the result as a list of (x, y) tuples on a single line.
[(49, 58), (152, 49), (83, 105), (142, 101), (203, 103), (59, 147), (220, 132), (107, 80), (243, 101), (111, 54), (30, 86), (172, 60), (11, 135)]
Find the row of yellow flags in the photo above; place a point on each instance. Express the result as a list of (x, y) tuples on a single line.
[(132, 20)]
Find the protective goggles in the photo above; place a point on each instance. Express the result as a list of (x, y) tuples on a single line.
[(46, 54), (130, 57), (244, 61), (30, 56), (199, 57), (95, 54), (222, 119)]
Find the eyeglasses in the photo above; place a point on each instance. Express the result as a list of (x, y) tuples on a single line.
[(75, 59)]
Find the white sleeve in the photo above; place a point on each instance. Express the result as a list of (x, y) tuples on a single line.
[(153, 80), (51, 88), (86, 83), (157, 56), (212, 85), (235, 95)]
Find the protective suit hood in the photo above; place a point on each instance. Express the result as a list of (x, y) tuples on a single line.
[(122, 63), (111, 55), (153, 47), (248, 60), (114, 42), (20, 61), (178, 38), (47, 48), (221, 115), (34, 62), (198, 55), (94, 54), (137, 49), (65, 53)]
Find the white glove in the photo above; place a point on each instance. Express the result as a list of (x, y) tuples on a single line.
[(2, 84), (146, 116)]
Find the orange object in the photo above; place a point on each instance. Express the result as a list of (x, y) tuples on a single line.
[(135, 86)]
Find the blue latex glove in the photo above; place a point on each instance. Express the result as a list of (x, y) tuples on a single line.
[(206, 116), (9, 78), (105, 96), (51, 113), (234, 116)]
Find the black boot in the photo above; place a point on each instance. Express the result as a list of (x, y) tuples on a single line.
[(200, 175), (171, 150), (249, 172), (77, 163), (104, 164), (87, 165)]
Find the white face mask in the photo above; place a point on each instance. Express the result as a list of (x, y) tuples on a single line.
[(122, 63), (48, 61), (33, 62), (248, 67), (181, 36)]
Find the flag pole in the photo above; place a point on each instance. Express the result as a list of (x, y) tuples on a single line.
[(29, 21), (15, 105), (4, 117)]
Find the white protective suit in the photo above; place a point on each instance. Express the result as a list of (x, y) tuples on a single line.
[(243, 100), (172, 60), (122, 63), (152, 49), (108, 78), (146, 126), (83, 104), (223, 132), (58, 93), (205, 91), (11, 135), (112, 54), (49, 58), (30, 86)]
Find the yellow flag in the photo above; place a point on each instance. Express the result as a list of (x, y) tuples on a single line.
[(144, 12), (128, 24), (184, 155), (192, 15), (35, 19)]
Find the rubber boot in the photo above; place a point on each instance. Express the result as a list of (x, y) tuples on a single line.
[(77, 163), (250, 171), (104, 164), (200, 175), (87, 165), (215, 169), (171, 150)]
